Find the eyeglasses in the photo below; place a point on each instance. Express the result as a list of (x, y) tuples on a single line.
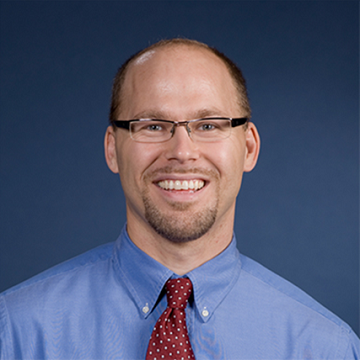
[(203, 130)]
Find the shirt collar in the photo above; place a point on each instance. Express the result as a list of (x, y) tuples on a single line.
[(145, 277)]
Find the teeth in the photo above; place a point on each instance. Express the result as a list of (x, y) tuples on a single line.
[(181, 185)]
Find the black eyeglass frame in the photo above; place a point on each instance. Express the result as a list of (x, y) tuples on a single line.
[(125, 124)]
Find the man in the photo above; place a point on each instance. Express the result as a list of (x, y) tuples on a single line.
[(180, 139)]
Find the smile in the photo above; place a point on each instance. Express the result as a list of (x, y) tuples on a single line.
[(181, 184)]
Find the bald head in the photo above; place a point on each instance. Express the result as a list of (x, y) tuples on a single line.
[(193, 48)]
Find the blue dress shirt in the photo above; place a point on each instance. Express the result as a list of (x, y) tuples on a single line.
[(104, 304)]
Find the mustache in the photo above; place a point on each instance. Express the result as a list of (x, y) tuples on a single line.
[(169, 169)]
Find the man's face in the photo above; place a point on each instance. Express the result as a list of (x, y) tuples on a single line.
[(179, 83)]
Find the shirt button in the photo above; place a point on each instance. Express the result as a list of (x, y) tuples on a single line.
[(145, 309), (205, 313)]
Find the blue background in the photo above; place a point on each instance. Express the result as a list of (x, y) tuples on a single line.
[(298, 211)]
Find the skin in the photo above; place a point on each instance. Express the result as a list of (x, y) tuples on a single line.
[(181, 83)]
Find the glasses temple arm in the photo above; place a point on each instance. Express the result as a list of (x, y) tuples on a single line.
[(123, 124), (239, 121)]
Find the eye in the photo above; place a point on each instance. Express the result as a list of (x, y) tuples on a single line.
[(207, 126), (148, 126), (153, 127)]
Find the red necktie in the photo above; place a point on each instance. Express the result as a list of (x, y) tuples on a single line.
[(170, 338)]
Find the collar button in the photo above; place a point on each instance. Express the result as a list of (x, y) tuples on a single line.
[(205, 313)]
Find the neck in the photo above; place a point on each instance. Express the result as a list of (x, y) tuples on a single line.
[(181, 257)]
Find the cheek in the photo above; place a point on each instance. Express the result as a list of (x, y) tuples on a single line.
[(230, 163), (133, 160), (229, 160)]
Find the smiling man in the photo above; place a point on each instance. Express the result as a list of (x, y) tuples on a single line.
[(180, 179), (173, 285)]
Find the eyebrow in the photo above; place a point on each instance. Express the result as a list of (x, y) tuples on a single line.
[(154, 114)]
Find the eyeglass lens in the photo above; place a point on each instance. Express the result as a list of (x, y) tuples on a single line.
[(199, 130)]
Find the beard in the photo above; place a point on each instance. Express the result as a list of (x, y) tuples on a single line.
[(181, 224)]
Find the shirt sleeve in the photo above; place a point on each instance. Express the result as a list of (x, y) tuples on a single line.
[(5, 338), (353, 348)]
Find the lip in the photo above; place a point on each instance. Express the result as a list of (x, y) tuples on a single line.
[(180, 177), (180, 196)]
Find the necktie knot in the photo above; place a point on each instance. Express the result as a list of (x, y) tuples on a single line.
[(178, 292)]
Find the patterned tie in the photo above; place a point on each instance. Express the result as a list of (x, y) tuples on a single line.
[(170, 338)]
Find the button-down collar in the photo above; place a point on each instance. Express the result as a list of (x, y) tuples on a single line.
[(145, 277)]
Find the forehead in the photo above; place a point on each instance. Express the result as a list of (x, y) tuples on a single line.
[(177, 73), (176, 59)]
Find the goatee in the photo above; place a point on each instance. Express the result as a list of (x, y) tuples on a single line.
[(183, 226), (180, 224)]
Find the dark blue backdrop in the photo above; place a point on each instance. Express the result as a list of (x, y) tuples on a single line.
[(298, 210)]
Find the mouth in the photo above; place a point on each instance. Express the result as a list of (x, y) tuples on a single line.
[(181, 185)]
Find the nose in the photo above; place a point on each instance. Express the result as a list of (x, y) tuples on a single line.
[(181, 147)]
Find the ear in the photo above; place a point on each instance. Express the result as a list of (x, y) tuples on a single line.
[(110, 150), (252, 147)]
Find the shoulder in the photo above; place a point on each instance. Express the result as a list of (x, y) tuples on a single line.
[(290, 310), (60, 279), (282, 288), (35, 305)]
